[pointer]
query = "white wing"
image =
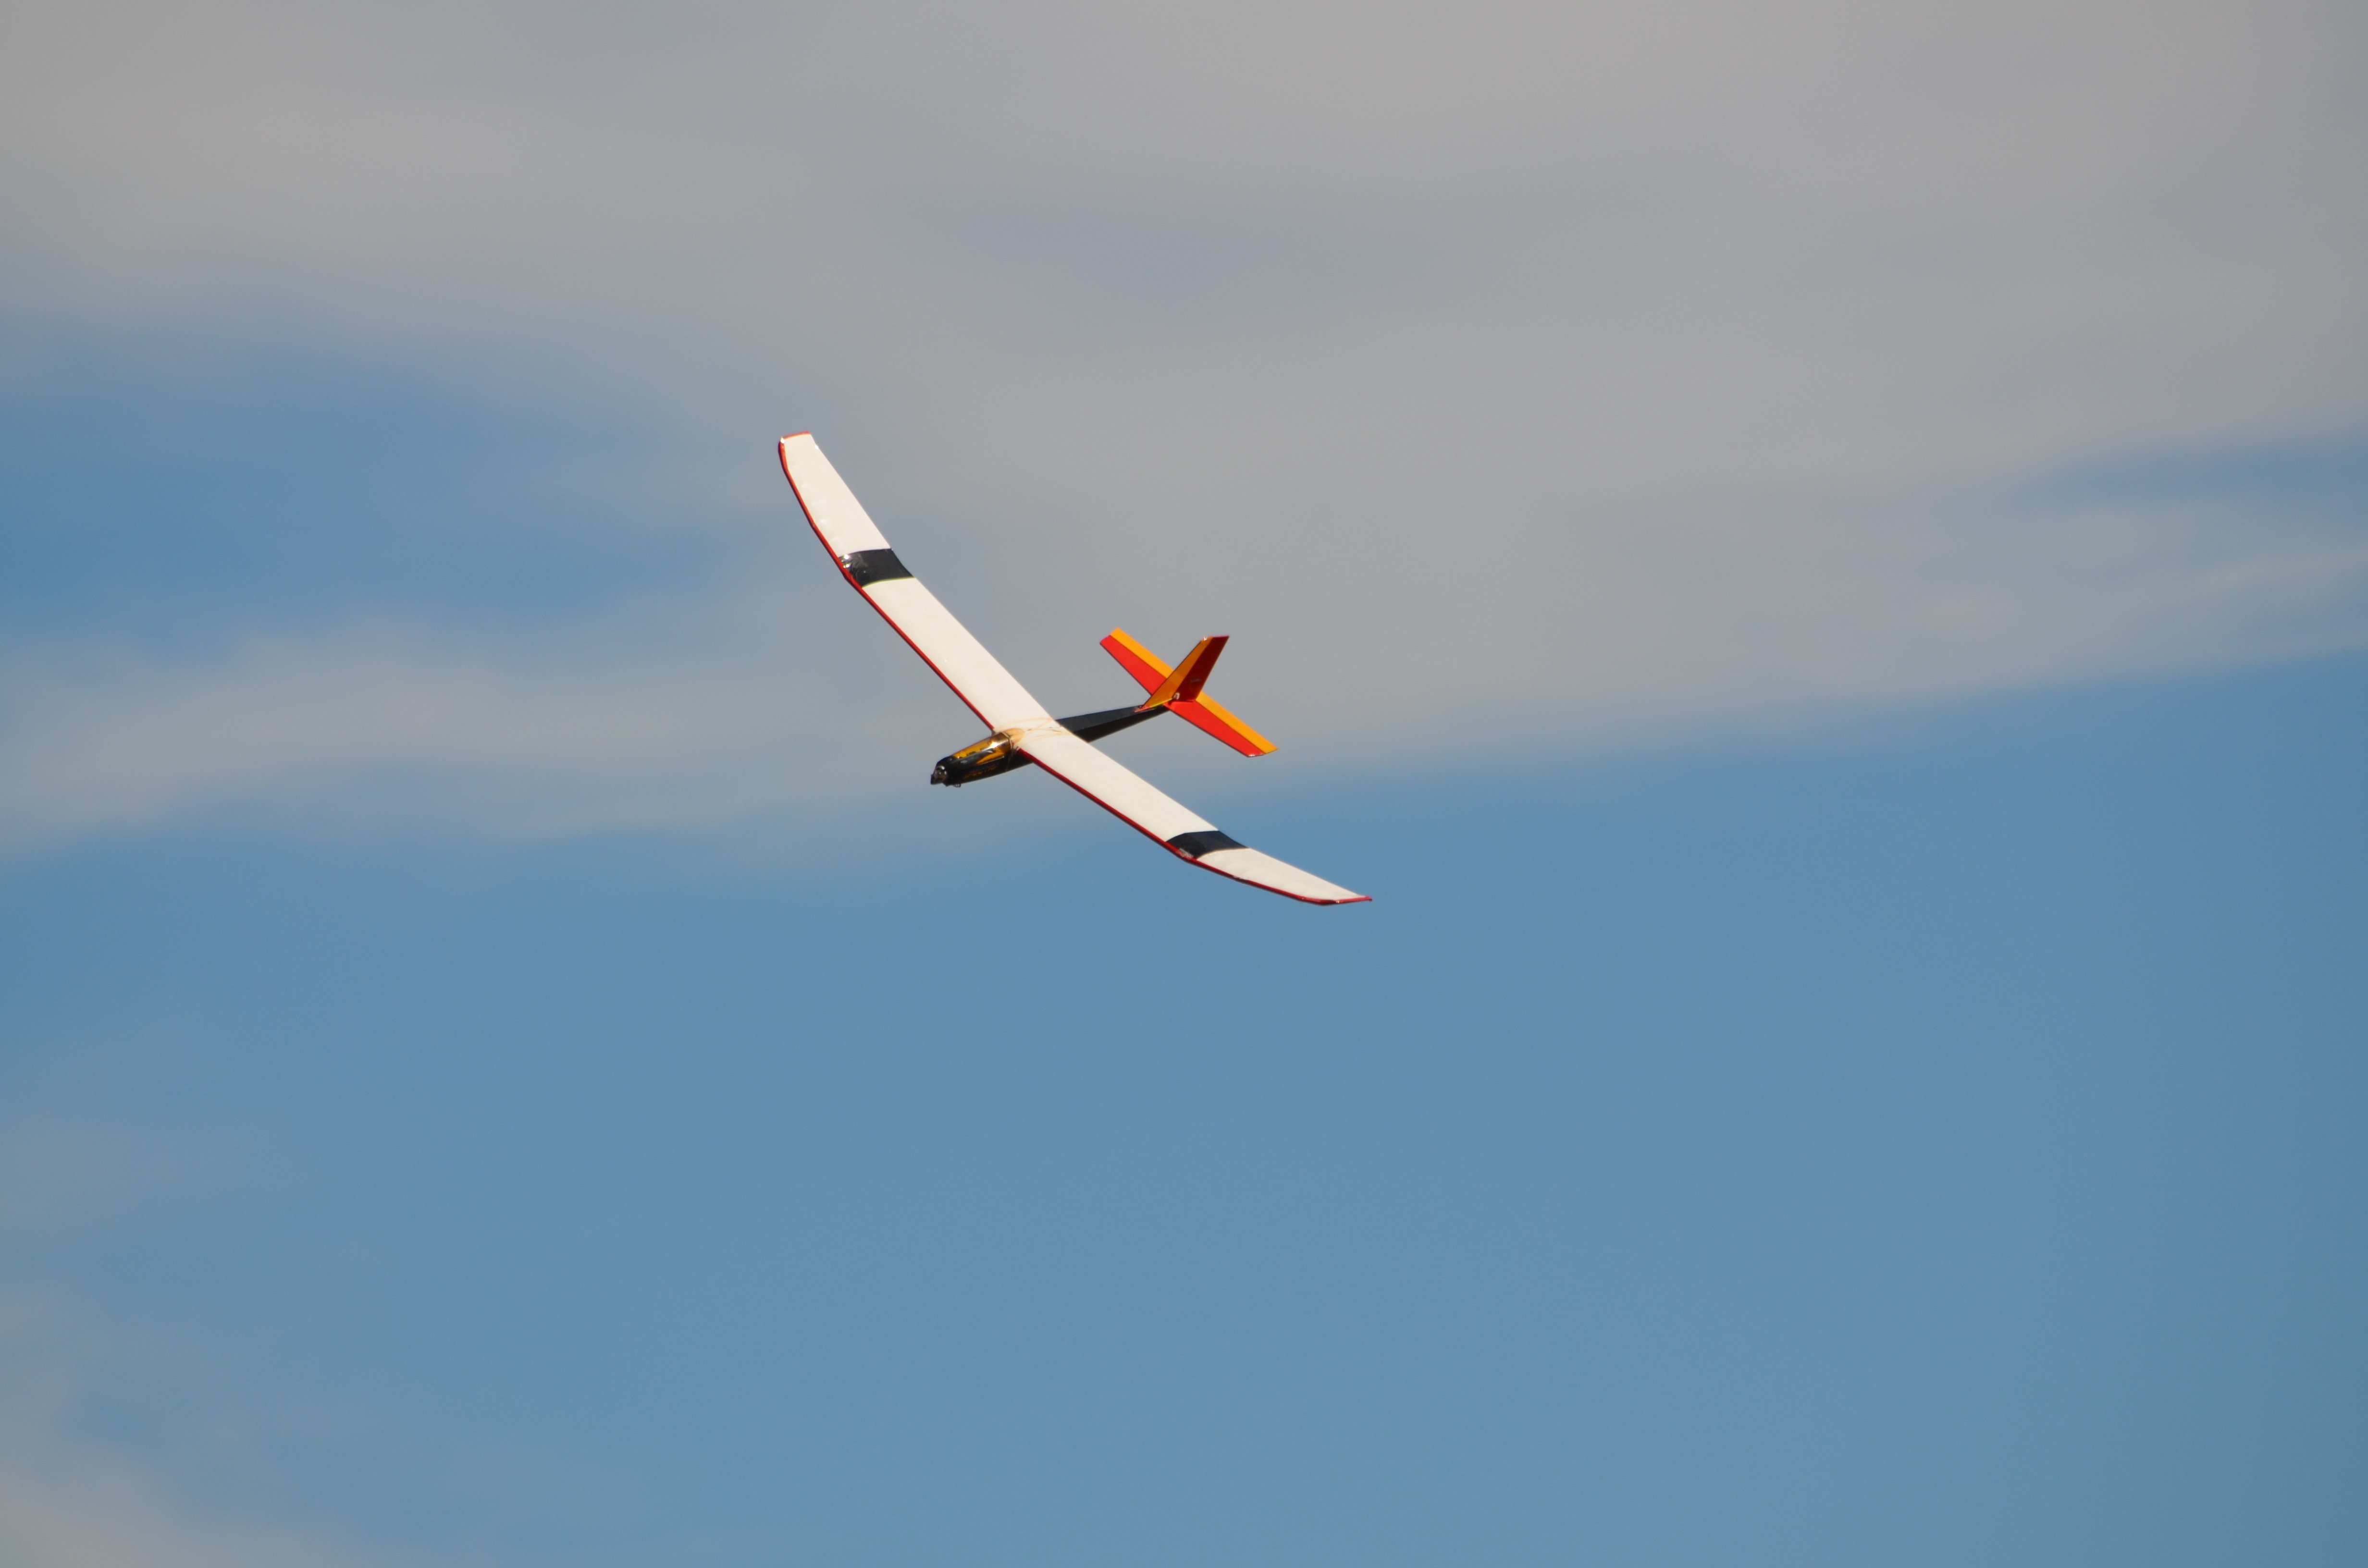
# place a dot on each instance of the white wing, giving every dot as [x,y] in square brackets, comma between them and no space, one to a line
[1102,780]
[960,660]
[1002,703]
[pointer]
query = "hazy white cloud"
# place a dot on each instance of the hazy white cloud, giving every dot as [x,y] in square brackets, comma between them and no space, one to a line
[1649,644]
[1626,368]
[554,741]
[77,1510]
[72,1495]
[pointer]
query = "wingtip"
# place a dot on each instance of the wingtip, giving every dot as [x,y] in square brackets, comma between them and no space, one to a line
[794,434]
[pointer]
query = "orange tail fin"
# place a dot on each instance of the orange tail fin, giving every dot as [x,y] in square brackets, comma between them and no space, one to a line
[1185,681]
[1183,690]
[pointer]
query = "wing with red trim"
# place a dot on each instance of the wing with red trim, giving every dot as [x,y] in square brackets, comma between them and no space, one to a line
[1126,795]
[960,660]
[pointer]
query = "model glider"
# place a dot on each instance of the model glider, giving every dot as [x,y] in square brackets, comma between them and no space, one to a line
[1023,731]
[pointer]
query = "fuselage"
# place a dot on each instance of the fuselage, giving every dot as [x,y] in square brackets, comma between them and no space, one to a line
[985,759]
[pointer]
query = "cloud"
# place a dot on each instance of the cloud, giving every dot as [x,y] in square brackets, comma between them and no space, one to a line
[94,1512]
[1507,375]
[525,744]
[71,1493]
[1831,617]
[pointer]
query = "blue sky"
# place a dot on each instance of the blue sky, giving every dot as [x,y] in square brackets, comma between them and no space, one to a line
[1818,577]
[1944,1148]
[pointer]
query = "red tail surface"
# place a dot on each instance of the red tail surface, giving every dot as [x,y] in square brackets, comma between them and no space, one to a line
[1180,688]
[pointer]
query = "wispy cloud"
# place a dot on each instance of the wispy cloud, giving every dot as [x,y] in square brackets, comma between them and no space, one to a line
[1579,647]
[1505,378]
[69,1509]
[71,1494]
[413,733]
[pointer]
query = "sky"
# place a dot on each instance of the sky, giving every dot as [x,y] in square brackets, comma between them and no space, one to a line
[1813,559]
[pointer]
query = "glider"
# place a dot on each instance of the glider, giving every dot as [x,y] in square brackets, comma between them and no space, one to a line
[1023,732]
